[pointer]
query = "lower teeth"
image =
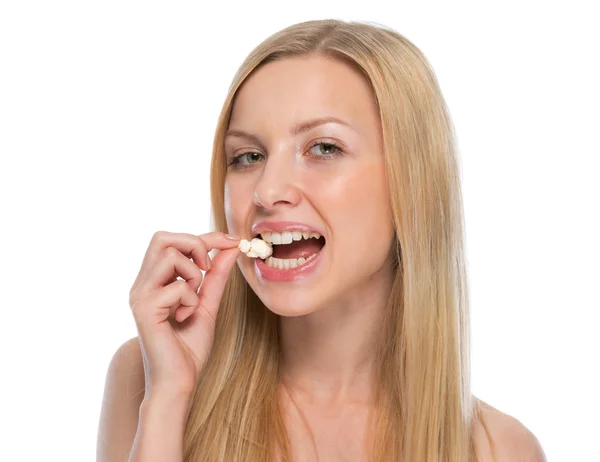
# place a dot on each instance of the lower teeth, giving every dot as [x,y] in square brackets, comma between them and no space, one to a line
[288,263]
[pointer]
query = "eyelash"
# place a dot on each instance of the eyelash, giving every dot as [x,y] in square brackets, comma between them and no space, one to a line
[326,157]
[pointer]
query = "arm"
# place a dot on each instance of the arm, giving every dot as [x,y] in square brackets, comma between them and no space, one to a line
[161,427]
[136,427]
[123,395]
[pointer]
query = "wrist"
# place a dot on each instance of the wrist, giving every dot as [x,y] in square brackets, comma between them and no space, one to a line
[166,403]
[161,428]
[167,393]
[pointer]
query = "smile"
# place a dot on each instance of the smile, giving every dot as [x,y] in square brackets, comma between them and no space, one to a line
[296,254]
[292,249]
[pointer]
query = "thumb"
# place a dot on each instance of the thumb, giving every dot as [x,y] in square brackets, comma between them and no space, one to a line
[211,290]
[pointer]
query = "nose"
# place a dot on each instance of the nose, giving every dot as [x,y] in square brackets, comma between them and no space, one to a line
[276,184]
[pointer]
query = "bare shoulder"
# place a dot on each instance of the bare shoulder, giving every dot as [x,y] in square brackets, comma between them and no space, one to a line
[127,367]
[123,394]
[500,437]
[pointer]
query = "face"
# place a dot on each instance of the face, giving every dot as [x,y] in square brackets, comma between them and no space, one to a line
[304,152]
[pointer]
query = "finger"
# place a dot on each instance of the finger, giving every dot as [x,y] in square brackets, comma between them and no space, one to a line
[184,312]
[157,307]
[212,288]
[219,241]
[190,245]
[172,265]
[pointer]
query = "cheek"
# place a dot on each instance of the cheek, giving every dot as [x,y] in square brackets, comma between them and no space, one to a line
[356,203]
[232,207]
[238,204]
[227,203]
[357,210]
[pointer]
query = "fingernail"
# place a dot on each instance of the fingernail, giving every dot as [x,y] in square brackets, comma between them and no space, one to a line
[208,262]
[232,237]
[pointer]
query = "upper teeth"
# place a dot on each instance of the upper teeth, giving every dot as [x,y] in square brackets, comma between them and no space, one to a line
[288,236]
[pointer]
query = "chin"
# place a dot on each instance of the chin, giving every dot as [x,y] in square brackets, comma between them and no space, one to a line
[288,307]
[290,313]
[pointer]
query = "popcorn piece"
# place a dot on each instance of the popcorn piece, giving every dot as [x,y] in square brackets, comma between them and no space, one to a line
[256,249]
[261,247]
[244,245]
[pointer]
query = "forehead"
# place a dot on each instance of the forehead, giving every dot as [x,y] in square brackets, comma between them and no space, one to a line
[294,89]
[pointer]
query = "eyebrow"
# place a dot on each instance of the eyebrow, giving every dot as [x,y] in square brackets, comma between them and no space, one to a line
[297,129]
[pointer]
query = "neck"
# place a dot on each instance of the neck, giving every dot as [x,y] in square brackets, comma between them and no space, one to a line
[328,356]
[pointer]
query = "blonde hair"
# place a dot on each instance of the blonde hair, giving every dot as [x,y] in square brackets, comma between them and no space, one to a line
[425,411]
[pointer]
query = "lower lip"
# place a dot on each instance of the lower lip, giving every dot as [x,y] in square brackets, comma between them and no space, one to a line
[287,275]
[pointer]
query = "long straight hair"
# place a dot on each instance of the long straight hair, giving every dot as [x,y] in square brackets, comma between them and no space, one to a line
[424,409]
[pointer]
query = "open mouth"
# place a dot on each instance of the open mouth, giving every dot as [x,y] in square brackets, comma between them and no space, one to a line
[292,248]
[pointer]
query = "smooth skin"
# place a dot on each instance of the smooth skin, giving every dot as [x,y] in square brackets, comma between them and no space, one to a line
[175,352]
[329,324]
[175,307]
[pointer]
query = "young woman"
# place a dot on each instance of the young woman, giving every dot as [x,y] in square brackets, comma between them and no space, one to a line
[350,342]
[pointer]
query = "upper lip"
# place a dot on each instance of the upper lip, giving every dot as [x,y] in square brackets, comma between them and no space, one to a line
[281,226]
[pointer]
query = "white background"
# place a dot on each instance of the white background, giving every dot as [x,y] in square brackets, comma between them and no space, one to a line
[107,112]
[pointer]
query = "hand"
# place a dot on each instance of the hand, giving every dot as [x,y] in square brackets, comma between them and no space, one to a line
[175,321]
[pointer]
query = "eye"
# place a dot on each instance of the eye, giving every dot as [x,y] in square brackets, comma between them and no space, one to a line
[326,149]
[250,157]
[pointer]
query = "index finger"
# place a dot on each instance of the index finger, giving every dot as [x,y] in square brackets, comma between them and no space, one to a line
[211,241]
[196,246]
